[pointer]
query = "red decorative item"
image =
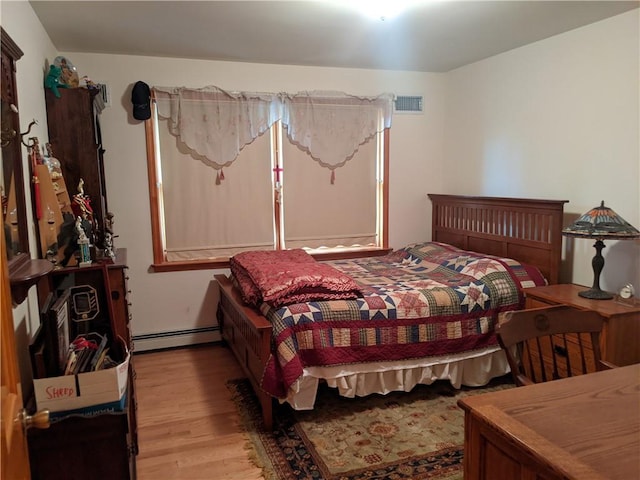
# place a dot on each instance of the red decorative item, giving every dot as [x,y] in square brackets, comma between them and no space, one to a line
[278,169]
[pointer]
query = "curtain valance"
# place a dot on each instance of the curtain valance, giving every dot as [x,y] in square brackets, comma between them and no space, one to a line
[331,126]
[216,124]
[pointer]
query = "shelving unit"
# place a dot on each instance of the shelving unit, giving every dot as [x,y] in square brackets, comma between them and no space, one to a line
[102,446]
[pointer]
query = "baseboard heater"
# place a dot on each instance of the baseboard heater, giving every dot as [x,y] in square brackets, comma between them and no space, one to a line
[176,338]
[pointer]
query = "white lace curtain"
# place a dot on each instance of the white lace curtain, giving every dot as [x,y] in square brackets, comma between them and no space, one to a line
[215,125]
[331,126]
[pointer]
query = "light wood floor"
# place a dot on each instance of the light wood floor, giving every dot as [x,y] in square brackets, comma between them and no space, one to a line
[188,426]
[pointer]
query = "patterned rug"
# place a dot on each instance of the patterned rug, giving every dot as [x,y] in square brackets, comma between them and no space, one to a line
[415,435]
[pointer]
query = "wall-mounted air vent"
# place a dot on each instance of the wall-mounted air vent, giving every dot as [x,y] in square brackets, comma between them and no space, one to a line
[408,104]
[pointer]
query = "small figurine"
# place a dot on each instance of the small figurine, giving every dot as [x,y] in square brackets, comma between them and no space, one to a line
[108,247]
[83,243]
[69,236]
[81,204]
[80,230]
[90,84]
[109,222]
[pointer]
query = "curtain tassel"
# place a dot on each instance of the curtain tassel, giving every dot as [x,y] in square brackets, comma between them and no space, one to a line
[218,178]
[221,174]
[333,177]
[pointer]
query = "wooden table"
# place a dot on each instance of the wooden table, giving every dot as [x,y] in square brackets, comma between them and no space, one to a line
[583,428]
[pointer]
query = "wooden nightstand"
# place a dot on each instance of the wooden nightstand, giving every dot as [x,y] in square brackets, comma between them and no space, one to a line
[620,337]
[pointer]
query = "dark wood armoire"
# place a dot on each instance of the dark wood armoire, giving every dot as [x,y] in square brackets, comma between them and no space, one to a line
[74,134]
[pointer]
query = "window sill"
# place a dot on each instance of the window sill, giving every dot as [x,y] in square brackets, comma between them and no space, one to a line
[217,264]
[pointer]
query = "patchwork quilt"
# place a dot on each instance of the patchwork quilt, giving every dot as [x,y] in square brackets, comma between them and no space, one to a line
[424,300]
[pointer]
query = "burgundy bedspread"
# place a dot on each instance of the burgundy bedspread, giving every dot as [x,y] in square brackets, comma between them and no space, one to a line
[424,300]
[289,276]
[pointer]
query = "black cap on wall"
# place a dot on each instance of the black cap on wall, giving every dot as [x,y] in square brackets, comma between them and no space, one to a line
[141,100]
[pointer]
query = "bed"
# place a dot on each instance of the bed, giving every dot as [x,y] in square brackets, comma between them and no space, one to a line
[524,233]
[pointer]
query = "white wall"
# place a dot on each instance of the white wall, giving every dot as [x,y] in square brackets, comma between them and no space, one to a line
[556,119]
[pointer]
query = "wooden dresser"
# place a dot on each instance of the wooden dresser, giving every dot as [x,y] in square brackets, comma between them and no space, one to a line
[102,447]
[578,428]
[620,337]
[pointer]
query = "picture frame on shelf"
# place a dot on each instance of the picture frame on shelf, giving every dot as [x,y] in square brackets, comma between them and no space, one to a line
[84,308]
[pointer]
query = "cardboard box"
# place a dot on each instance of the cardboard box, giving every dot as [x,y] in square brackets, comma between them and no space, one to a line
[73,392]
[111,408]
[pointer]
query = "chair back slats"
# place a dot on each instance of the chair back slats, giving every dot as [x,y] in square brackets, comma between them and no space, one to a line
[554,374]
[549,343]
[582,353]
[566,349]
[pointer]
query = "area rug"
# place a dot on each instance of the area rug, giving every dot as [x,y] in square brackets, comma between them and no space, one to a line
[416,435]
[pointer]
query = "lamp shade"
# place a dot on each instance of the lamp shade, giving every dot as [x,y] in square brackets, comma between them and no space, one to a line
[601,222]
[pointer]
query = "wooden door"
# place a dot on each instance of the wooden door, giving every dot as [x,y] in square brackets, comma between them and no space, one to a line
[14,454]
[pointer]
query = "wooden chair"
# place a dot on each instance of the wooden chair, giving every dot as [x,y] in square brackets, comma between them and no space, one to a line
[549,343]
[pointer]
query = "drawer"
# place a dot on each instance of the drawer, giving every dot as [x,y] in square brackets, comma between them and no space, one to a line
[536,303]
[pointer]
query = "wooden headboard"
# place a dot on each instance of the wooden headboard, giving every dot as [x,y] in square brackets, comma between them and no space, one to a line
[527,230]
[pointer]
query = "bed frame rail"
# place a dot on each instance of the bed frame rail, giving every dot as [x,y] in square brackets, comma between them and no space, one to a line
[249,336]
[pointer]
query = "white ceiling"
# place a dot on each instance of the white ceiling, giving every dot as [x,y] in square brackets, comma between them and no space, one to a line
[435,36]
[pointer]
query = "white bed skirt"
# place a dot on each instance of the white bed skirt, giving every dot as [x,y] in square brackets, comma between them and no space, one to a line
[473,369]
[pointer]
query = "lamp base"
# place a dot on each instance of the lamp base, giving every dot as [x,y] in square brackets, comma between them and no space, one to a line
[596,294]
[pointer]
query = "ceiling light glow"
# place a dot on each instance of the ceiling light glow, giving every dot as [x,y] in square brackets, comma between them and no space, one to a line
[380,9]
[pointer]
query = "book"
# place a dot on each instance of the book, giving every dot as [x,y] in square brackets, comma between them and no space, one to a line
[84,357]
[48,350]
[58,318]
[97,354]
[72,358]
[88,350]
[102,359]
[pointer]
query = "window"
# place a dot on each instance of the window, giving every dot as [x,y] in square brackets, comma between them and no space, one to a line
[233,172]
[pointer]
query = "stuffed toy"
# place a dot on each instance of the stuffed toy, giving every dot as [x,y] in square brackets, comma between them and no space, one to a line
[53,80]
